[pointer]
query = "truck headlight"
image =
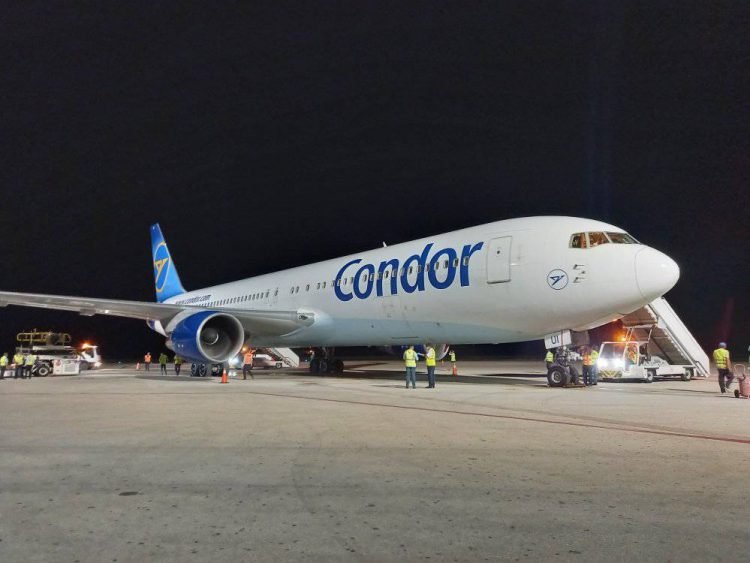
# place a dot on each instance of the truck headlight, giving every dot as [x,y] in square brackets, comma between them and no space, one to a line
[602,363]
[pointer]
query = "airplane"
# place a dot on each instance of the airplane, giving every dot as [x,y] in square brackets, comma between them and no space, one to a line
[507,281]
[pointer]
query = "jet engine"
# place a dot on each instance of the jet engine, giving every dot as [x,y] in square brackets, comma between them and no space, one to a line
[211,336]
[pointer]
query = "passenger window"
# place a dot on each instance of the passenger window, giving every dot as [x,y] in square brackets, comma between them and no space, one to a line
[324,285]
[466,260]
[318,286]
[276,293]
[595,239]
[307,288]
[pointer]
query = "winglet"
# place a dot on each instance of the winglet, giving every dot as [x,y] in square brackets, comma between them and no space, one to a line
[166,279]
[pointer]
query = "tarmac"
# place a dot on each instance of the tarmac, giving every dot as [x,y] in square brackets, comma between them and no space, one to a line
[117,465]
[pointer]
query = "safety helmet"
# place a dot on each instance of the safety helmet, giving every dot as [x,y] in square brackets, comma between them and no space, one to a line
[722,344]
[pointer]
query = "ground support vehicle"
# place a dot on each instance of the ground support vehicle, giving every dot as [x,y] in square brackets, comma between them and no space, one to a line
[54,355]
[631,359]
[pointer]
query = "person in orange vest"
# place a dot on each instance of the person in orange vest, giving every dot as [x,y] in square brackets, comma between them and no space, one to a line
[147,361]
[247,364]
[588,366]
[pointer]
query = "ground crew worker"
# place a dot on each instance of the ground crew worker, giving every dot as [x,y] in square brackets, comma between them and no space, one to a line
[247,364]
[429,357]
[3,365]
[594,365]
[410,361]
[177,364]
[18,361]
[163,363]
[549,359]
[452,356]
[587,365]
[147,361]
[723,364]
[28,365]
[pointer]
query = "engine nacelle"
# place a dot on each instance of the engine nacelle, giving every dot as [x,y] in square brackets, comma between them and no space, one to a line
[211,336]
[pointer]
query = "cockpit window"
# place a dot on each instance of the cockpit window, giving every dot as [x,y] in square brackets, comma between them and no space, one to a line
[579,240]
[621,238]
[590,240]
[595,239]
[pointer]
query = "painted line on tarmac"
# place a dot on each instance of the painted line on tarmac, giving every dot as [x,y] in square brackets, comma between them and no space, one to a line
[519,418]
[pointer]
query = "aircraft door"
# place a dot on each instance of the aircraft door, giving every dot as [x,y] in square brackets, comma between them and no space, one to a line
[498,260]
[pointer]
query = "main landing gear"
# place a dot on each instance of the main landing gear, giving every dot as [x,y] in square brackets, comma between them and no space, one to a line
[327,362]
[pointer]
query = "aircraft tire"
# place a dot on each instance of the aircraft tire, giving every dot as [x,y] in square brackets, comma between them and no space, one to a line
[557,377]
[338,366]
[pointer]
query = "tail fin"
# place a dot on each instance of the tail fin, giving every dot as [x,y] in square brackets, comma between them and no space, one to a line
[166,279]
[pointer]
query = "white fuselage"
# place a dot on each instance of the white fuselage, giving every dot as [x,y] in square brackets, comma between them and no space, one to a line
[506,281]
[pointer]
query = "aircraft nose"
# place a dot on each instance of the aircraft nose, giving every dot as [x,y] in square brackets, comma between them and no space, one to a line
[655,272]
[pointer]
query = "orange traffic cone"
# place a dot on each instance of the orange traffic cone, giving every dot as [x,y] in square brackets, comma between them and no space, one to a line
[455,369]
[224,378]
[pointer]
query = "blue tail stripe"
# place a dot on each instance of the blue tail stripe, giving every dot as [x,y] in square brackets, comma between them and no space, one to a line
[166,279]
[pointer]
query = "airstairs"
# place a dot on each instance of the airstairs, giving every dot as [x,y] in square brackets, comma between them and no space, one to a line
[667,334]
[286,355]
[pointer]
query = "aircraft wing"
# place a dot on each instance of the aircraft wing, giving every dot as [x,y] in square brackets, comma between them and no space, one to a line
[267,322]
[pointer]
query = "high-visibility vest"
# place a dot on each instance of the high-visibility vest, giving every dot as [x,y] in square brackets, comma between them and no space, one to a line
[453,356]
[410,359]
[177,360]
[594,355]
[248,358]
[4,360]
[147,358]
[721,357]
[18,359]
[550,357]
[30,359]
[588,360]
[163,359]
[430,357]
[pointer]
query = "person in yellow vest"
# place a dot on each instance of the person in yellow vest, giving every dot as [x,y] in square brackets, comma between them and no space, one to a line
[588,363]
[28,365]
[410,361]
[3,365]
[724,365]
[247,364]
[429,357]
[177,364]
[147,361]
[549,359]
[163,359]
[594,365]
[18,362]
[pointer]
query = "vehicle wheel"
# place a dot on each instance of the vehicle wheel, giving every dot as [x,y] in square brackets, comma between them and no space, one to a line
[687,375]
[557,377]
[43,370]
[650,376]
[324,366]
[315,365]
[83,366]
[216,370]
[278,365]
[338,366]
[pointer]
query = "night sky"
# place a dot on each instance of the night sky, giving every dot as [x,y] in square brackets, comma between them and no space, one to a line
[270,135]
